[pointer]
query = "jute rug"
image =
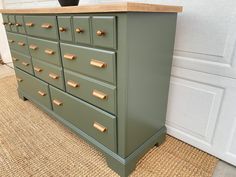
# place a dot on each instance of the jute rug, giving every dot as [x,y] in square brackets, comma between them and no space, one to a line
[33,144]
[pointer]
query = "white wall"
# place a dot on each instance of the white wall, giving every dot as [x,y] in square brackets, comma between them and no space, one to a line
[202,101]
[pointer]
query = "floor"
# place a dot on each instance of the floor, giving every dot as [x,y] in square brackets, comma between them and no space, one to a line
[223,169]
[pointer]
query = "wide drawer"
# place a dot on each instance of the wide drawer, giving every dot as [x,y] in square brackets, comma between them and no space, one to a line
[43,26]
[22,61]
[36,89]
[100,64]
[6,22]
[96,92]
[45,50]
[18,42]
[49,73]
[93,121]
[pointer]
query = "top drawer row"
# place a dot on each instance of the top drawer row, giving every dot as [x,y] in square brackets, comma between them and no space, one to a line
[95,30]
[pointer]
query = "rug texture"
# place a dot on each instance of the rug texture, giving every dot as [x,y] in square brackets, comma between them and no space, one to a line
[34,144]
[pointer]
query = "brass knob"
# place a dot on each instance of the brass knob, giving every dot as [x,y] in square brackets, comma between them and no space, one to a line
[98,64]
[70,56]
[57,102]
[61,29]
[33,47]
[11,41]
[29,24]
[4,23]
[10,23]
[100,33]
[99,94]
[79,30]
[99,127]
[21,43]
[46,26]
[17,24]
[19,79]
[14,59]
[41,93]
[72,84]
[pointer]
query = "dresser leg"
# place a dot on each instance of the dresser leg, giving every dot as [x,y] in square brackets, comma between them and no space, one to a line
[21,96]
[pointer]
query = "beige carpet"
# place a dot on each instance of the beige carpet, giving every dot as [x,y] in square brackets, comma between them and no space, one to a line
[33,144]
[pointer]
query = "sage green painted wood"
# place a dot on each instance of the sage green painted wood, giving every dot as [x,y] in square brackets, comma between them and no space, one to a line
[82,64]
[65,23]
[85,88]
[48,69]
[20,21]
[6,22]
[40,52]
[106,24]
[83,116]
[12,20]
[22,61]
[37,30]
[32,86]
[83,23]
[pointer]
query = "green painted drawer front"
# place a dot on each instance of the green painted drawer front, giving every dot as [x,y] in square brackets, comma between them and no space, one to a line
[22,61]
[86,117]
[49,73]
[6,22]
[82,29]
[33,87]
[85,60]
[20,24]
[18,42]
[64,23]
[12,22]
[91,90]
[104,31]
[45,50]
[42,26]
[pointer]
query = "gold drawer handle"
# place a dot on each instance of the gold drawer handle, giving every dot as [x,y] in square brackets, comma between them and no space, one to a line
[41,93]
[19,79]
[79,30]
[99,95]
[46,26]
[21,43]
[53,76]
[10,23]
[72,84]
[4,23]
[33,47]
[99,127]
[14,59]
[57,102]
[25,64]
[61,29]
[17,24]
[70,56]
[38,69]
[11,41]
[49,51]
[100,33]
[29,24]
[98,64]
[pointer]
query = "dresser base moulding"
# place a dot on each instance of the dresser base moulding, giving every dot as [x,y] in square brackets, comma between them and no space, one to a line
[122,166]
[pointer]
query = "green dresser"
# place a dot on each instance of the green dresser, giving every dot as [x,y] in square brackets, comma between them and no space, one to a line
[101,70]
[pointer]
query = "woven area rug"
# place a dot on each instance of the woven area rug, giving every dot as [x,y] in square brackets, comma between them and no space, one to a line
[33,144]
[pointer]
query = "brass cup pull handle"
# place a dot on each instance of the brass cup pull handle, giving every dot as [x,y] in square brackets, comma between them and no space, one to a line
[46,26]
[99,95]
[41,93]
[57,102]
[25,64]
[19,79]
[70,56]
[17,24]
[29,24]
[79,30]
[72,84]
[11,41]
[21,43]
[33,47]
[14,59]
[53,76]
[99,127]
[98,64]
[100,33]
[61,29]
[49,51]
[38,69]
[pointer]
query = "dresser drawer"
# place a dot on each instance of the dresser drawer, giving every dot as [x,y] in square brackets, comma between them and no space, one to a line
[96,92]
[104,31]
[22,61]
[45,50]
[12,22]
[97,63]
[33,87]
[20,24]
[93,121]
[18,42]
[49,73]
[65,31]
[42,26]
[6,22]
[82,29]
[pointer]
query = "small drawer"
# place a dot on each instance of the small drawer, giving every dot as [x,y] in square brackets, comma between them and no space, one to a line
[33,87]
[49,73]
[64,27]
[42,26]
[100,64]
[22,61]
[18,42]
[12,22]
[91,120]
[104,31]
[20,25]
[98,93]
[45,50]
[6,22]
[82,29]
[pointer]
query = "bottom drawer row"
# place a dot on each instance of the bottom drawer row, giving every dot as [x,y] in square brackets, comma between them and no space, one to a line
[96,123]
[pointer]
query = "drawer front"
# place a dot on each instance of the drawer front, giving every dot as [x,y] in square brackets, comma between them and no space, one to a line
[20,24]
[42,26]
[12,22]
[104,31]
[22,61]
[18,42]
[97,63]
[33,87]
[65,31]
[94,122]
[96,92]
[49,73]
[82,29]
[45,50]
[6,22]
